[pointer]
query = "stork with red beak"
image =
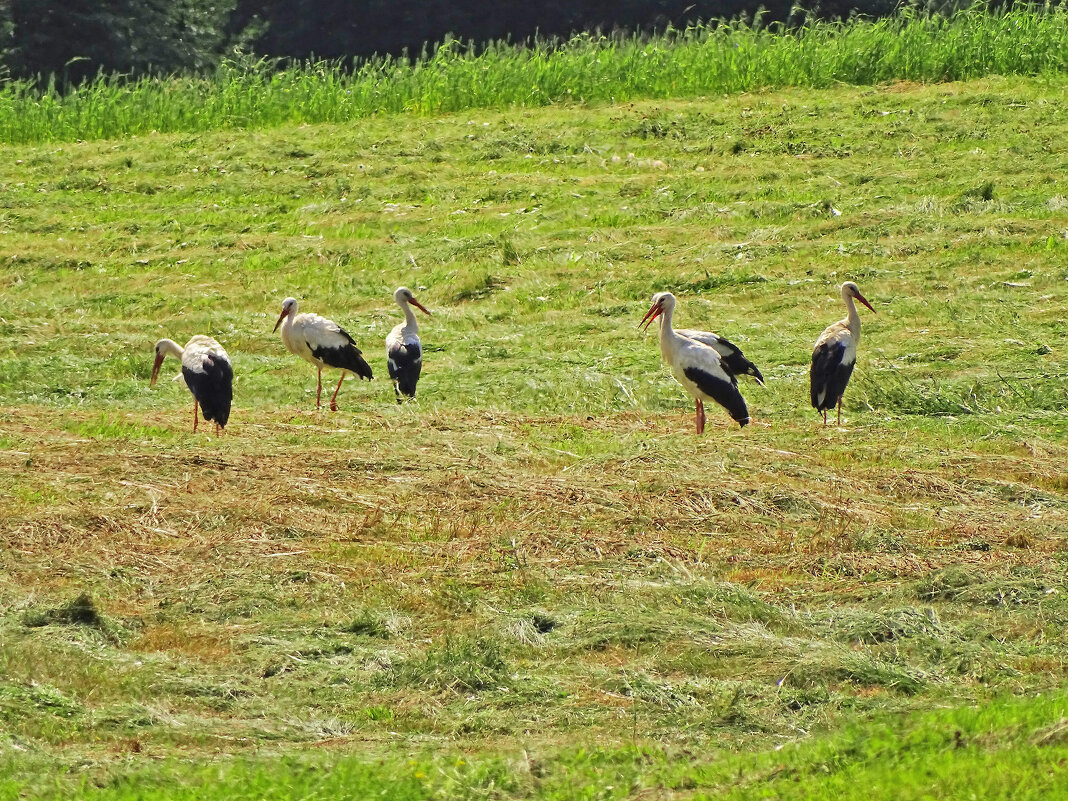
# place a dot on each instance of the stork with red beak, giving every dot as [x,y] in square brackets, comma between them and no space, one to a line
[207,372]
[323,343]
[698,367]
[835,356]
[404,352]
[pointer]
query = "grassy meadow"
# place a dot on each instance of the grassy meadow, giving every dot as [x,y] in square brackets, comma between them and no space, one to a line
[534,581]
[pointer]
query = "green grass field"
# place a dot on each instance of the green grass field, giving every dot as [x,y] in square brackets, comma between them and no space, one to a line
[535,581]
[728,56]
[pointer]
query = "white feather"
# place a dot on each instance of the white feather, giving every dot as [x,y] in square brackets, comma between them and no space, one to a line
[301,333]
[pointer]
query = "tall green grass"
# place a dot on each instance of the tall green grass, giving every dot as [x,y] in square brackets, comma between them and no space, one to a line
[728,57]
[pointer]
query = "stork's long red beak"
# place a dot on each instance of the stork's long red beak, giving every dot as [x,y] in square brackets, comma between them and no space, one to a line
[654,311]
[864,300]
[281,317]
[419,305]
[155,369]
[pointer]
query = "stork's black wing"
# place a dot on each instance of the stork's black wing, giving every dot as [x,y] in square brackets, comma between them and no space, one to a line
[829,375]
[731,354]
[405,363]
[213,388]
[346,357]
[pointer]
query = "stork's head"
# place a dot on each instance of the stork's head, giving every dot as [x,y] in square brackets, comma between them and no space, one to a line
[662,302]
[850,290]
[289,307]
[404,295]
[161,354]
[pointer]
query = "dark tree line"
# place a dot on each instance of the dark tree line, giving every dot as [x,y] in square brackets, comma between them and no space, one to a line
[339,28]
[77,39]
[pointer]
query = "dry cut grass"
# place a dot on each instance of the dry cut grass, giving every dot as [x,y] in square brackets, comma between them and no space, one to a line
[537,554]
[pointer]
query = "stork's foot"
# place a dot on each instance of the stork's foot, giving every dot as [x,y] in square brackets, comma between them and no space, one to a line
[333,398]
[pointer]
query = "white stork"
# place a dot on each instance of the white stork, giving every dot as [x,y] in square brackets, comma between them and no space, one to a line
[207,372]
[404,353]
[698,367]
[323,343]
[835,355]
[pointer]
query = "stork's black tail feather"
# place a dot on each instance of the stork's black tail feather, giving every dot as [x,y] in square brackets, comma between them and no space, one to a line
[347,358]
[739,365]
[359,365]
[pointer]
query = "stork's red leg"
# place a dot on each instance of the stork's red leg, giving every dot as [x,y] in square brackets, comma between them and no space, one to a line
[700,416]
[319,390]
[839,410]
[196,420]
[333,400]
[824,412]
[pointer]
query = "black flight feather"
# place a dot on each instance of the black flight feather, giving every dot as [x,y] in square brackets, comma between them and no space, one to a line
[347,357]
[725,393]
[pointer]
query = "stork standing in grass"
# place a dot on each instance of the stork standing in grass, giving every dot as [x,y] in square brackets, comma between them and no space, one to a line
[207,372]
[323,343]
[835,355]
[404,353]
[700,369]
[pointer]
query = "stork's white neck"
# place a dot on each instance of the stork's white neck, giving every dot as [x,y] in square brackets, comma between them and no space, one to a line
[410,323]
[287,322]
[668,338]
[286,332]
[852,319]
[665,319]
[168,347]
[290,320]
